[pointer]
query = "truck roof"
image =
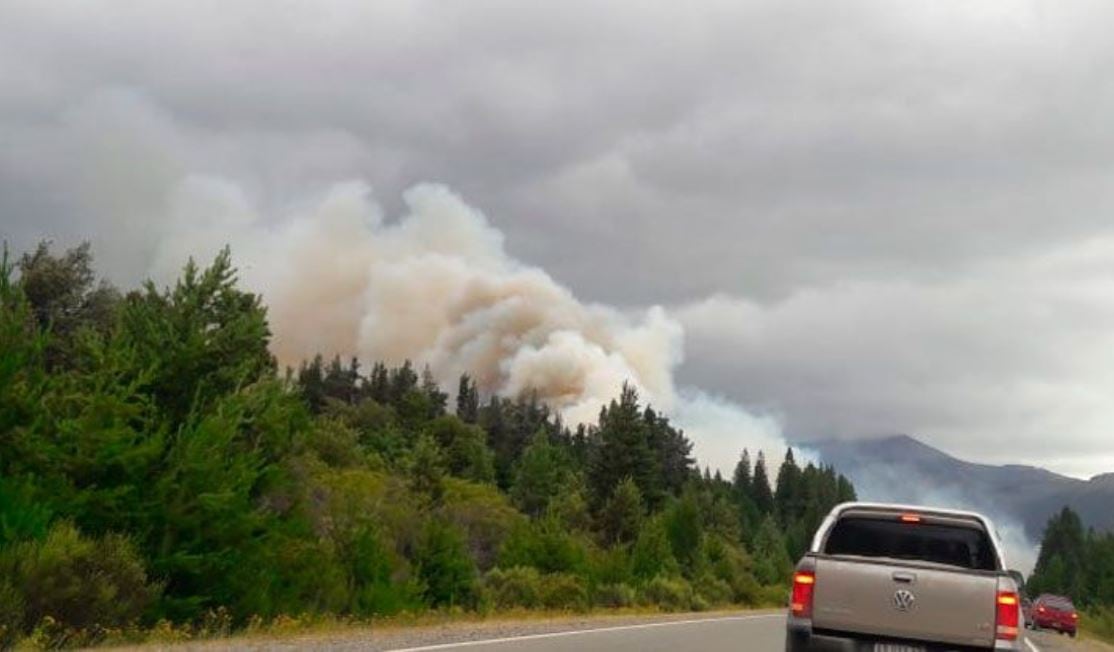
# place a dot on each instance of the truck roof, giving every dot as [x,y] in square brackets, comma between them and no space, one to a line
[982,520]
[921,509]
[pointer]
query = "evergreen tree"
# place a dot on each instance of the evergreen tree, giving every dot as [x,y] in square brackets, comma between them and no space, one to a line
[741,479]
[438,399]
[467,400]
[787,495]
[1062,562]
[402,381]
[379,384]
[761,494]
[624,450]
[673,452]
[621,516]
[65,298]
[539,474]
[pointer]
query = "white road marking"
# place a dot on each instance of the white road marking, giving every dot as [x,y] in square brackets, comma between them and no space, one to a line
[577,632]
[1032,647]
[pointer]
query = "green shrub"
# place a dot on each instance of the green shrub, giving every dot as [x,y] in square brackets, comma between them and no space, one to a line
[773,596]
[730,563]
[611,565]
[514,587]
[713,590]
[483,514]
[544,544]
[335,443]
[1099,622]
[652,554]
[614,595]
[444,567]
[11,612]
[73,581]
[669,593]
[564,591]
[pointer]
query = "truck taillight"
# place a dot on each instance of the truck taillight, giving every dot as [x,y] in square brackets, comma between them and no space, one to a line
[801,603]
[1008,615]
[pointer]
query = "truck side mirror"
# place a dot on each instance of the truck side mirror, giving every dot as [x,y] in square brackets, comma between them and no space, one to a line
[1017,578]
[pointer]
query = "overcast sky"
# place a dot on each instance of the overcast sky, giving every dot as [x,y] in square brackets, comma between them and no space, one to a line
[870,217]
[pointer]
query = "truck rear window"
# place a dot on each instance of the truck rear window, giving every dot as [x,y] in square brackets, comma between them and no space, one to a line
[964,547]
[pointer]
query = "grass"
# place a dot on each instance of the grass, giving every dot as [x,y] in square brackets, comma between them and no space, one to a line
[1098,623]
[217,627]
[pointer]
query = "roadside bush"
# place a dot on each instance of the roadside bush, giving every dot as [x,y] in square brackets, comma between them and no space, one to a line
[610,565]
[544,544]
[614,596]
[669,593]
[335,443]
[773,596]
[652,554]
[444,567]
[514,587]
[730,563]
[1100,622]
[564,591]
[483,514]
[73,581]
[11,613]
[713,590]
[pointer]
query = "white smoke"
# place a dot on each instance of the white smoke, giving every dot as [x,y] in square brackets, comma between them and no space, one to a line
[889,483]
[437,287]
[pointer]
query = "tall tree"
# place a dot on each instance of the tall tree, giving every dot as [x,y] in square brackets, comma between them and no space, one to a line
[673,452]
[467,400]
[742,478]
[199,340]
[65,297]
[760,487]
[788,495]
[438,399]
[624,450]
[621,516]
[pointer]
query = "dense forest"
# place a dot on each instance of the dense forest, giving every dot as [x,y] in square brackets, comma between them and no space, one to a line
[1075,562]
[1078,562]
[158,468]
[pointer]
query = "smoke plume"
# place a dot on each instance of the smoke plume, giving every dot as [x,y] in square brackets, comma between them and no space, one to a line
[436,286]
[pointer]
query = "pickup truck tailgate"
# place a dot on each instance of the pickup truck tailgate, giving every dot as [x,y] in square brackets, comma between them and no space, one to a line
[905,601]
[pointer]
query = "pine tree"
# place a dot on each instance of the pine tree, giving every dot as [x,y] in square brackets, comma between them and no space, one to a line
[624,450]
[742,478]
[539,474]
[621,516]
[438,399]
[379,384]
[788,495]
[467,400]
[673,452]
[403,380]
[761,494]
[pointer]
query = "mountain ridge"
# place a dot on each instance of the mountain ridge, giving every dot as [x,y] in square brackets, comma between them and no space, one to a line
[902,468]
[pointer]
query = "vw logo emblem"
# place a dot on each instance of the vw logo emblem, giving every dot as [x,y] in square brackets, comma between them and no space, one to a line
[903,600]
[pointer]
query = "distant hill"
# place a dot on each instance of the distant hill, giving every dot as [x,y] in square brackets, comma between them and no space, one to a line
[903,469]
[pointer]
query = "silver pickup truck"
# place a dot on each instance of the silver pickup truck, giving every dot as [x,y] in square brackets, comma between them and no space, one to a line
[898,578]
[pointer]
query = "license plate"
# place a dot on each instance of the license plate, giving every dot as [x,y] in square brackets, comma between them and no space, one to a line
[897,647]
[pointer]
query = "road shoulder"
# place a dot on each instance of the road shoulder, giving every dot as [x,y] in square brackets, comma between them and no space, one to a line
[387,637]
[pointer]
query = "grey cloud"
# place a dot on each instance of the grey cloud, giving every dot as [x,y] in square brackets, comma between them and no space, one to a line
[870,185]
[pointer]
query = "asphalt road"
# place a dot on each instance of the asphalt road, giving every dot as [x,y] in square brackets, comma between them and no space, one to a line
[758,632]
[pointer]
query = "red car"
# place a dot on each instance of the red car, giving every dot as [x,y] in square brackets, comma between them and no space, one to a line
[1055,612]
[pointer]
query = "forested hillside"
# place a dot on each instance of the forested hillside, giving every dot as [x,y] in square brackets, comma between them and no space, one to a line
[1078,563]
[157,465]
